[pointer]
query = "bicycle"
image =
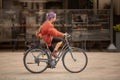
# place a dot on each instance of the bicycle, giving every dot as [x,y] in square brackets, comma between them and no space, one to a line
[38,59]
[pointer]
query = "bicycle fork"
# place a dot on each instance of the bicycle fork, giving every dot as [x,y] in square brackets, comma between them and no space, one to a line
[70,50]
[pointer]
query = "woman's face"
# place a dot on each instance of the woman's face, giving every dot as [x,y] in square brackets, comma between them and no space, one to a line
[54,19]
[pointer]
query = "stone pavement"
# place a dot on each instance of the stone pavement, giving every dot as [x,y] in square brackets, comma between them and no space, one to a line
[101,66]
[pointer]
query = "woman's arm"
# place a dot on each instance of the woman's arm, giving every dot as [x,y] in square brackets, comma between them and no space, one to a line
[55,32]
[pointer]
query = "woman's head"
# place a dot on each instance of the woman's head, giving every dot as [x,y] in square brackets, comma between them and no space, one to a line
[51,15]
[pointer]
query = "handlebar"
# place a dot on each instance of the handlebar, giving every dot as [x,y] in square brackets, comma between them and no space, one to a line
[67,35]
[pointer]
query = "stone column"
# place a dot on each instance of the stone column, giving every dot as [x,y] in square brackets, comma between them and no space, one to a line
[95,6]
[117,7]
[0,7]
[65,4]
[102,3]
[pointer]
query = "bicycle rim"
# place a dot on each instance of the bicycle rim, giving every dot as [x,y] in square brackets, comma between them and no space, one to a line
[76,64]
[33,60]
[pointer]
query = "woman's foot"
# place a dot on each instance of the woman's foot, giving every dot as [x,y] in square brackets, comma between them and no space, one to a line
[54,54]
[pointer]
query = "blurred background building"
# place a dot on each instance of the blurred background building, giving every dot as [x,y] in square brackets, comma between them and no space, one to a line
[88,21]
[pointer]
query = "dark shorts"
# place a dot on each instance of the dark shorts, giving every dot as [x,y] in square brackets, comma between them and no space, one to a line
[54,41]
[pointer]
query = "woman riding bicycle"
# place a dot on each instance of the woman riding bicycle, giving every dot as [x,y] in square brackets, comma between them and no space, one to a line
[50,35]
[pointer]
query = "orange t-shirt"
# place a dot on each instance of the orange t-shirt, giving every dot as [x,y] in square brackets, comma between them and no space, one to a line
[48,31]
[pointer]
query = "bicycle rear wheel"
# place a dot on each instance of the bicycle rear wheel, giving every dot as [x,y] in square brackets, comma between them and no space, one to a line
[75,60]
[35,60]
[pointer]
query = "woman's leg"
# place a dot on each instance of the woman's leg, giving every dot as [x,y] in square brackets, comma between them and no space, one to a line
[51,48]
[58,42]
[58,45]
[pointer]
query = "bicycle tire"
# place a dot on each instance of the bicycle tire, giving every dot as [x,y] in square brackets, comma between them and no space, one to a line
[75,67]
[29,52]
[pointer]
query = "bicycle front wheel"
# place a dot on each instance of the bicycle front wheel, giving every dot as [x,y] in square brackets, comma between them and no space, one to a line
[75,60]
[35,60]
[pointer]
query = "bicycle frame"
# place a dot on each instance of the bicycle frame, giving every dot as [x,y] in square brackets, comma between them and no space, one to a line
[66,47]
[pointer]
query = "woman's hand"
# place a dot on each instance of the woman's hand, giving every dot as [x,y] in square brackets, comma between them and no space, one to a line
[39,35]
